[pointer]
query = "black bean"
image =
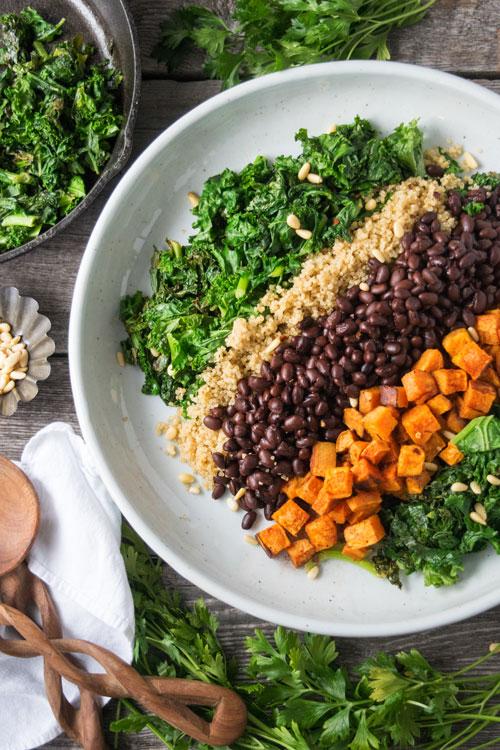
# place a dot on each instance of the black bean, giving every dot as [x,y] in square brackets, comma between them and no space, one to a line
[434,170]
[248,520]
[213,423]
[217,491]
[257,384]
[219,460]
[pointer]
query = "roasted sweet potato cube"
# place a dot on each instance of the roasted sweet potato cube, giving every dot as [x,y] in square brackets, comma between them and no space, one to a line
[465,412]
[393,446]
[309,487]
[451,455]
[339,482]
[453,422]
[369,398]
[472,359]
[420,423]
[356,450]
[393,395]
[390,480]
[439,404]
[325,502]
[291,488]
[456,340]
[291,516]
[354,554]
[419,386]
[322,532]
[400,434]
[488,326]
[411,461]
[363,504]
[344,441]
[479,396]
[354,420]
[431,360]
[376,451]
[366,475]
[300,552]
[340,512]
[365,533]
[323,458]
[273,540]
[380,422]
[433,446]
[450,381]
[491,376]
[415,485]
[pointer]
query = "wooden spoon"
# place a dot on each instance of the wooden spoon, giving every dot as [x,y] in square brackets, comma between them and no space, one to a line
[166,697]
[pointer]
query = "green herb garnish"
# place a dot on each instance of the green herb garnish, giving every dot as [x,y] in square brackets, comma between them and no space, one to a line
[264,36]
[299,696]
[243,245]
[59,117]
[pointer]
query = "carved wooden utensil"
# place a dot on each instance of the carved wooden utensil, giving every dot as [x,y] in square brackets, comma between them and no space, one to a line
[19,588]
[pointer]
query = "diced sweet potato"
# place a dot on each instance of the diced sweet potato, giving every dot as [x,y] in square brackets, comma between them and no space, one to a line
[309,487]
[390,480]
[393,445]
[339,482]
[456,340]
[465,412]
[415,485]
[323,458]
[300,552]
[488,327]
[354,554]
[340,512]
[291,488]
[363,504]
[419,386]
[325,502]
[354,420]
[450,381]
[356,450]
[451,455]
[365,533]
[439,404]
[491,376]
[411,461]
[376,451]
[369,398]
[400,434]
[291,516]
[322,532]
[393,395]
[380,422]
[453,422]
[344,441]
[420,423]
[472,359]
[273,540]
[433,446]
[479,396]
[431,360]
[366,475]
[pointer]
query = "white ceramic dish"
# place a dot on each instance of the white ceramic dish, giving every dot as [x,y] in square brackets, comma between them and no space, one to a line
[201,538]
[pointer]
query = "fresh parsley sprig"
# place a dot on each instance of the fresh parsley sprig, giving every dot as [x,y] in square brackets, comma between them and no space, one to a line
[264,36]
[298,695]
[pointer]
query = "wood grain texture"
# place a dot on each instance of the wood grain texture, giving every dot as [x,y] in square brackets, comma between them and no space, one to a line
[456,35]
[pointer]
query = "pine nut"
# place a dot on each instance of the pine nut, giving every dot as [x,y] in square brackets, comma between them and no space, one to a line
[313,572]
[4,379]
[171,450]
[364,287]
[9,387]
[304,234]
[195,489]
[4,327]
[475,487]
[332,128]
[371,204]
[17,375]
[398,230]
[5,337]
[293,221]
[250,539]
[492,479]
[304,171]
[273,345]
[473,333]
[481,510]
[24,358]
[171,432]
[431,466]
[378,256]
[193,198]
[19,347]
[11,361]
[459,487]
[314,179]
[477,518]
[354,403]
[449,435]
[240,493]
[232,504]
[120,358]
[186,478]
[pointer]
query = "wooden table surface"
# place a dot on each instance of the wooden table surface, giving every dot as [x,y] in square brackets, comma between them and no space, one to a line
[460,36]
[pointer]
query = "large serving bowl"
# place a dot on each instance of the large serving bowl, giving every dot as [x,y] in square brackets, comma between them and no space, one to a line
[199,537]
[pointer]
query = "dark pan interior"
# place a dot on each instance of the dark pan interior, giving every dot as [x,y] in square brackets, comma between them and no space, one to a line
[106,24]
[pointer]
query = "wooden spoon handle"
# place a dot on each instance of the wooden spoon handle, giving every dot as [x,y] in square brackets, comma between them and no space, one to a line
[167,698]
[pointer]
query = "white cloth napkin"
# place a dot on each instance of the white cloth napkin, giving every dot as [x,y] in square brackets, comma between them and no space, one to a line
[77,554]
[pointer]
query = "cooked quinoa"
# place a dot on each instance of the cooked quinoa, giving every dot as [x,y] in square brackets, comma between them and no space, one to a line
[313,293]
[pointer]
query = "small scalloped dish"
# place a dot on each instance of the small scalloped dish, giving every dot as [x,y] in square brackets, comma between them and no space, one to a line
[22,315]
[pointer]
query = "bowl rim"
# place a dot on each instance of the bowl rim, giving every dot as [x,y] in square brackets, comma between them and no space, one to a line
[116,161]
[266,612]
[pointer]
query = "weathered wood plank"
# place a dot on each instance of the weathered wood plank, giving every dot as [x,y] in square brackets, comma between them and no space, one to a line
[457,35]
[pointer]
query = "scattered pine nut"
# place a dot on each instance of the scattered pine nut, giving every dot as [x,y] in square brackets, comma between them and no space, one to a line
[449,435]
[378,256]
[293,221]
[171,450]
[273,345]
[120,358]
[17,375]
[354,403]
[250,539]
[332,128]
[232,504]
[171,432]
[492,479]
[304,171]
[304,234]
[473,333]
[314,179]
[155,352]
[431,466]
[240,493]
[477,518]
[193,198]
[195,489]
[313,572]
[371,204]
[475,487]
[459,487]
[398,230]
[364,287]
[481,510]
[160,428]
[186,478]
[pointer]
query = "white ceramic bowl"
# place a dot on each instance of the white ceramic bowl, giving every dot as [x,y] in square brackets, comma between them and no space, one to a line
[201,538]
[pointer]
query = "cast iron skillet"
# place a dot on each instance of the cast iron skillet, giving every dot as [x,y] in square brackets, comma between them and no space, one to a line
[108,25]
